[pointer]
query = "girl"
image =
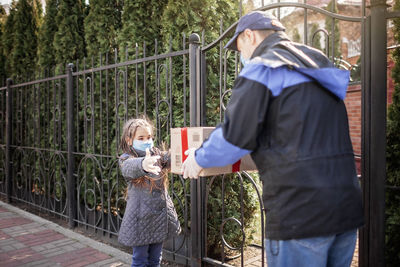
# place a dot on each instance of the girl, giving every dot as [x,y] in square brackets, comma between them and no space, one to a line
[150,216]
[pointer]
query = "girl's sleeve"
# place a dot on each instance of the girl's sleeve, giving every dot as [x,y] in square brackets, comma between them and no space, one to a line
[131,168]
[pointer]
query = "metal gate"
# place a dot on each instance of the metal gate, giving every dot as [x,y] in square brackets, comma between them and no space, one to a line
[372,21]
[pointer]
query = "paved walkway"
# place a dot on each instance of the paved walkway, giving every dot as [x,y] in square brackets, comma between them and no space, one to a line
[28,240]
[257,260]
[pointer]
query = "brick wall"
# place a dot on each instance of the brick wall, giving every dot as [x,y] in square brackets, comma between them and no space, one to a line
[390,83]
[353,105]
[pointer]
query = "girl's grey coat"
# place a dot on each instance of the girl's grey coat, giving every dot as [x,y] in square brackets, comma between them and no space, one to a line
[150,217]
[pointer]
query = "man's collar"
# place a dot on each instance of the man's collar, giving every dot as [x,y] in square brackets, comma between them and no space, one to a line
[269,41]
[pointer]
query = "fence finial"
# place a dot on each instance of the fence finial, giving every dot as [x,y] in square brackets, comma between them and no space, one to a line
[194,38]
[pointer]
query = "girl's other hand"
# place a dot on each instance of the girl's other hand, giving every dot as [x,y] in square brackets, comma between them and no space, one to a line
[149,161]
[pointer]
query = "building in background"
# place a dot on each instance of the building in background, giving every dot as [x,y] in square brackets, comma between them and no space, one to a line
[350,51]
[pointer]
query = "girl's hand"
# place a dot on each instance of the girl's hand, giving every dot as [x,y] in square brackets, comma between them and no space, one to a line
[148,163]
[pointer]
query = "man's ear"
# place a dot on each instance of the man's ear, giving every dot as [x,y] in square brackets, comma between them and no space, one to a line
[251,35]
[247,33]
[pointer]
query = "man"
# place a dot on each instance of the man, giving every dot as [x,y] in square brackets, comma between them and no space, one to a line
[287,110]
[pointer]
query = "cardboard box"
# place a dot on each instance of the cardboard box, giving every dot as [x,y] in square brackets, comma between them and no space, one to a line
[184,138]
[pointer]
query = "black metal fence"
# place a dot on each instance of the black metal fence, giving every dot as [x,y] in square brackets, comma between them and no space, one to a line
[59,136]
[60,140]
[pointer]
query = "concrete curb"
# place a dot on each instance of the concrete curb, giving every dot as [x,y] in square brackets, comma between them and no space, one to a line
[116,253]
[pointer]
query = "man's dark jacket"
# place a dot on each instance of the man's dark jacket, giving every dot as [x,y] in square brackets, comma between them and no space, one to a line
[288,105]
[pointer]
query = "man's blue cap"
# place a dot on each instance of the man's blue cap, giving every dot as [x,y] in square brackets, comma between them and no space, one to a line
[256,20]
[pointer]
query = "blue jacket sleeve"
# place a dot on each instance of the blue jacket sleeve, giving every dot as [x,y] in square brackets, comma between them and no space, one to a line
[217,152]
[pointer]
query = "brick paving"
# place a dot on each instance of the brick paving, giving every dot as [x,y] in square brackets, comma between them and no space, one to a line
[26,240]
[257,260]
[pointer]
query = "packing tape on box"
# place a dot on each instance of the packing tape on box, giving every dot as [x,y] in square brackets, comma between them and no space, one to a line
[185,146]
[236,166]
[184,142]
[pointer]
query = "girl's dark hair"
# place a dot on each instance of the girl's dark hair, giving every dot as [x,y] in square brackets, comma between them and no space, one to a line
[128,133]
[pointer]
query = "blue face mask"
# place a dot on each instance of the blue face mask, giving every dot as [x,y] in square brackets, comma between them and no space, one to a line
[244,60]
[142,145]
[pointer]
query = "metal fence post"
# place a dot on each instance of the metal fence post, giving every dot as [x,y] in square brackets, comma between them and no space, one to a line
[365,137]
[8,140]
[194,83]
[374,150]
[202,182]
[70,148]
[194,44]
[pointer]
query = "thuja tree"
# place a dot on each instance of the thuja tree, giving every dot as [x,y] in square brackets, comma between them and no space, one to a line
[69,43]
[8,38]
[182,18]
[68,46]
[141,22]
[332,7]
[393,161]
[316,42]
[38,12]
[23,56]
[50,98]
[3,15]
[101,27]
[48,29]
[296,36]
[249,6]
[3,75]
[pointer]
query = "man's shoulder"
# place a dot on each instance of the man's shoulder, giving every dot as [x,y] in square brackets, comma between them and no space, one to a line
[292,55]
[273,79]
[260,71]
